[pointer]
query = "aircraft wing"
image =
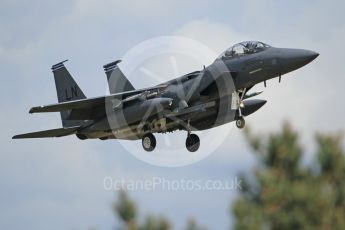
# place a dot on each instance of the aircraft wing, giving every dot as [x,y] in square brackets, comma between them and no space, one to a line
[48,133]
[90,103]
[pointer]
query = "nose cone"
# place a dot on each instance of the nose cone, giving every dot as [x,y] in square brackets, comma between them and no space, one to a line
[292,59]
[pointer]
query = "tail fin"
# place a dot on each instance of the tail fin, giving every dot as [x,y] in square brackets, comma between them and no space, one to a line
[67,90]
[117,81]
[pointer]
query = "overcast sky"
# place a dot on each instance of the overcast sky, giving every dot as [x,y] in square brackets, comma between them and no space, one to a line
[58,183]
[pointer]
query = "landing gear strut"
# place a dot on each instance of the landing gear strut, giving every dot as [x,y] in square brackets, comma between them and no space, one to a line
[192,142]
[240,122]
[149,142]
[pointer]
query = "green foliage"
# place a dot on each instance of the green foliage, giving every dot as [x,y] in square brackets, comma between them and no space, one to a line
[154,223]
[127,211]
[192,225]
[282,194]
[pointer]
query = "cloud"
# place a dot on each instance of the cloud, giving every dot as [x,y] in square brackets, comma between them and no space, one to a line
[132,8]
[57,182]
[217,36]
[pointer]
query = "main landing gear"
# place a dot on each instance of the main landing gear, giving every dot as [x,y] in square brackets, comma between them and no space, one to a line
[192,142]
[149,142]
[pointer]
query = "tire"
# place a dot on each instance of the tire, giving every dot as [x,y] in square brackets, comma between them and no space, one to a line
[240,123]
[192,143]
[149,142]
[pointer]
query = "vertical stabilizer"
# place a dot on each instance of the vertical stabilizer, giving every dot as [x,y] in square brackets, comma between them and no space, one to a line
[117,81]
[67,90]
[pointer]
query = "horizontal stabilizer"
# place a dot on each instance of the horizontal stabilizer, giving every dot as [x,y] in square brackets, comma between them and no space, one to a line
[48,133]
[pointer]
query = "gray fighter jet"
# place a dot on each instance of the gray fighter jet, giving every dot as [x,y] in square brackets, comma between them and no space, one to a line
[213,96]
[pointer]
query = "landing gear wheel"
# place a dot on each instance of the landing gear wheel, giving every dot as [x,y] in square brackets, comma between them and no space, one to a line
[192,142]
[240,123]
[149,142]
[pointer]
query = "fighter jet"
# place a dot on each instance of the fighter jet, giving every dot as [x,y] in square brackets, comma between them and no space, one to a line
[204,99]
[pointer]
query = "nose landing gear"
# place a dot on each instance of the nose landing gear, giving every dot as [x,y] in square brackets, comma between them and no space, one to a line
[240,123]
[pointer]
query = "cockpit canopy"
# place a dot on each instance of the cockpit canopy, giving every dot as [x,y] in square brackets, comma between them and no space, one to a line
[244,48]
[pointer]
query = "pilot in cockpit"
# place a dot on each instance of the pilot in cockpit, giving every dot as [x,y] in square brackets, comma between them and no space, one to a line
[244,48]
